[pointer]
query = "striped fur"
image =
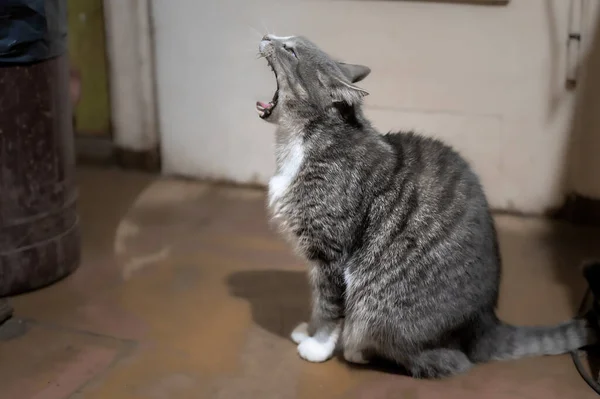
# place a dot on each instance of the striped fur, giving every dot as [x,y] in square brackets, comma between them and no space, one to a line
[396,230]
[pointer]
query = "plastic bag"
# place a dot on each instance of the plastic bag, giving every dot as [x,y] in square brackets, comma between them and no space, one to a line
[32,30]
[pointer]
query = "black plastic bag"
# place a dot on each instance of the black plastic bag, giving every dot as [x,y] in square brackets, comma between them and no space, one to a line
[32,30]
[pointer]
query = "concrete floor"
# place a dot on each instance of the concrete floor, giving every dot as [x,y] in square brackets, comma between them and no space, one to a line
[185,292]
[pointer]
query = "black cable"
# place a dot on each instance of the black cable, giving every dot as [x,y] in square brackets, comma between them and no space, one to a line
[581,369]
[6,310]
[575,354]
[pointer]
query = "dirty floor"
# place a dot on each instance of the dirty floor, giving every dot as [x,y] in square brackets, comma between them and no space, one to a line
[184,292]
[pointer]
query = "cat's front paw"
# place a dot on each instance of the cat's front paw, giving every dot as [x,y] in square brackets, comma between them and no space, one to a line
[300,333]
[314,351]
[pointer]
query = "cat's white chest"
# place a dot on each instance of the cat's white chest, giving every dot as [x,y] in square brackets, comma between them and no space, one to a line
[289,160]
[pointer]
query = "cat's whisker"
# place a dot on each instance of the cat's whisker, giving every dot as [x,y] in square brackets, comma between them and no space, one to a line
[265,27]
[254,30]
[251,47]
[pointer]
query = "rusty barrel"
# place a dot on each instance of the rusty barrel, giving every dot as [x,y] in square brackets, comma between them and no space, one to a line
[39,225]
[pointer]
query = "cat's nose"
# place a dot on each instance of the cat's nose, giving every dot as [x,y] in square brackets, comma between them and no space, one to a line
[264,43]
[267,38]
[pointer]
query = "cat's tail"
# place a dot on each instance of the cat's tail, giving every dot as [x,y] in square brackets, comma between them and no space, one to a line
[507,342]
[497,340]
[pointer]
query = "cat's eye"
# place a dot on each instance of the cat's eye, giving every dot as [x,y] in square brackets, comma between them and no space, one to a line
[290,50]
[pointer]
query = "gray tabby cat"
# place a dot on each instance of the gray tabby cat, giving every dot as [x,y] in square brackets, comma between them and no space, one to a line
[403,255]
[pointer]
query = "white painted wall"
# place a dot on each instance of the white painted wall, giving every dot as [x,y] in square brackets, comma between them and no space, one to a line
[487,79]
[130,57]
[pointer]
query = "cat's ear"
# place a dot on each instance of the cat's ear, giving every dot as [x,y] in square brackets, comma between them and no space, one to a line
[347,92]
[354,73]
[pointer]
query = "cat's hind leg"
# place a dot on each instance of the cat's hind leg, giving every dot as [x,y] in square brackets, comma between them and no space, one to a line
[438,363]
[354,342]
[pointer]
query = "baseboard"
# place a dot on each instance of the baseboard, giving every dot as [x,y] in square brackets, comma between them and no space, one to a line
[580,209]
[148,160]
[101,151]
[469,2]
[94,150]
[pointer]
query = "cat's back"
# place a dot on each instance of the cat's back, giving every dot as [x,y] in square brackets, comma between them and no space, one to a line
[439,198]
[423,151]
[437,228]
[439,172]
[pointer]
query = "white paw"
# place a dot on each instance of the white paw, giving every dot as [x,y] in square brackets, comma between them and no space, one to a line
[355,357]
[314,351]
[300,333]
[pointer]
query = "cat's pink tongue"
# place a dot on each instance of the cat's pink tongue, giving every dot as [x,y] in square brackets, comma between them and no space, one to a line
[264,105]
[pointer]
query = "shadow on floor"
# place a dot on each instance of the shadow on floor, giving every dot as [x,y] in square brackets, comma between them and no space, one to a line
[531,255]
[279,299]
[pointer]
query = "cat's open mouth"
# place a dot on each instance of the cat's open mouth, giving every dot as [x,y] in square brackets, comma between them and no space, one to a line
[265,109]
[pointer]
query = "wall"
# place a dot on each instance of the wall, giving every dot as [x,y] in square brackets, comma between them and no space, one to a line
[487,79]
[132,95]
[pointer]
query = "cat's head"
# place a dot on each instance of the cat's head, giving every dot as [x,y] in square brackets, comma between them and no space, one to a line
[309,82]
